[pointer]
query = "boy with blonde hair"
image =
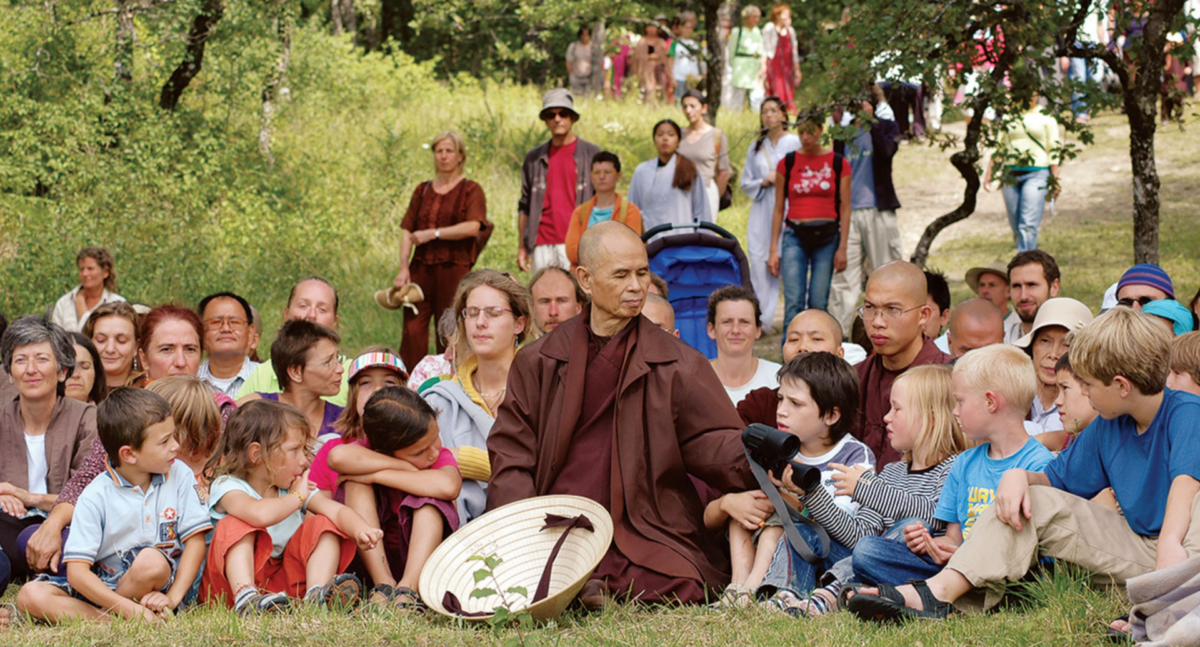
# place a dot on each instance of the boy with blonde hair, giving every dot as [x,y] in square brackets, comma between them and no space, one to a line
[1145,445]
[993,388]
[1185,363]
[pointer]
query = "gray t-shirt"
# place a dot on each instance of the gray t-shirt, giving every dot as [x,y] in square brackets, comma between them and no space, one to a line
[862,178]
[703,153]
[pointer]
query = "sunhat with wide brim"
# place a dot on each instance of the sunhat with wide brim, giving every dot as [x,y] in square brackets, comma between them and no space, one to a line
[1059,311]
[997,267]
[408,296]
[524,535]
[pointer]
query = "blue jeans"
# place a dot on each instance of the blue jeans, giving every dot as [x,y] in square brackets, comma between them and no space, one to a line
[5,572]
[790,571]
[882,560]
[803,289]
[1081,70]
[1025,199]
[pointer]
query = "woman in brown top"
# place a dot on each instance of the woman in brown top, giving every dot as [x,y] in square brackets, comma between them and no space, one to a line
[444,216]
[44,435]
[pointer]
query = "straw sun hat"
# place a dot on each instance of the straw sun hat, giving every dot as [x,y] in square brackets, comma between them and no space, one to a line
[519,535]
[408,297]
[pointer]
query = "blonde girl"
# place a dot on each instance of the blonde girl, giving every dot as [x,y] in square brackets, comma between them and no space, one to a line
[263,549]
[197,417]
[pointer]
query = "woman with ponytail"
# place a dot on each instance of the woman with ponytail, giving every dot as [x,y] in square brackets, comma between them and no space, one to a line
[666,189]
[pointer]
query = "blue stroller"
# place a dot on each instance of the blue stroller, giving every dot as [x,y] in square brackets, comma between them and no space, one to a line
[695,263]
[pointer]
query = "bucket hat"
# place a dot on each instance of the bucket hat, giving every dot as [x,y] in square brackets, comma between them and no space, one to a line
[1059,311]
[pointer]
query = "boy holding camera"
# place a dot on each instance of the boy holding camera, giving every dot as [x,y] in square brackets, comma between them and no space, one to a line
[1145,445]
[818,404]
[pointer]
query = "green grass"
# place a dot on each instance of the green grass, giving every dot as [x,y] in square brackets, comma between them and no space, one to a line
[1060,611]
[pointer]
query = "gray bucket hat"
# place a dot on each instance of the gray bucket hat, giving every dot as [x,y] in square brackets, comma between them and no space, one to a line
[559,98]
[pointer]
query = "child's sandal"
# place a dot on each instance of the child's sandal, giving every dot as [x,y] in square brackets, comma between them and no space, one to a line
[414,602]
[15,617]
[341,593]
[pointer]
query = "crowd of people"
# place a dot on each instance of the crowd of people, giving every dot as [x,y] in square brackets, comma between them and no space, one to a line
[934,436]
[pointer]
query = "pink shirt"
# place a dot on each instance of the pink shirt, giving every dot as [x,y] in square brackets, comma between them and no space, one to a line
[326,479]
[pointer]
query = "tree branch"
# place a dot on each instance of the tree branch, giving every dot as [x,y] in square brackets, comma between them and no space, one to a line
[189,67]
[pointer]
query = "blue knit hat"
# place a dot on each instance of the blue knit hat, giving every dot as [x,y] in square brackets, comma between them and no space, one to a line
[1147,274]
[1173,311]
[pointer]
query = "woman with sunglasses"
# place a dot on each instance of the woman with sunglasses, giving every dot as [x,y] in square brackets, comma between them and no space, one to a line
[494,318]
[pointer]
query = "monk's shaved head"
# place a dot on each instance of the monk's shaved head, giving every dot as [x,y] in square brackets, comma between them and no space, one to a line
[615,273]
[975,323]
[903,280]
[895,310]
[660,311]
[609,236]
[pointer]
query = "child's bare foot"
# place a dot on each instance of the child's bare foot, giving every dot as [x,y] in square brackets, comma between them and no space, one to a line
[9,616]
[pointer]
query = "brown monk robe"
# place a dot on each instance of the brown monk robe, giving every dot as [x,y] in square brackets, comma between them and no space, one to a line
[611,407]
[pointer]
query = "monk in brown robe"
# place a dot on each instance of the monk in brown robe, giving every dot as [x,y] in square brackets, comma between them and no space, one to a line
[611,407]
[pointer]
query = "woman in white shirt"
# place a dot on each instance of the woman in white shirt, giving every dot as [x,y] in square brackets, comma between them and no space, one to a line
[733,317]
[758,183]
[97,286]
[668,189]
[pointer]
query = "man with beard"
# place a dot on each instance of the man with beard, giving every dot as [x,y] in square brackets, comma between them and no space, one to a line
[556,297]
[1033,277]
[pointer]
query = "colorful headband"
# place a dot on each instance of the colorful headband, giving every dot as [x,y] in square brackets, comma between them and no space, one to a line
[371,360]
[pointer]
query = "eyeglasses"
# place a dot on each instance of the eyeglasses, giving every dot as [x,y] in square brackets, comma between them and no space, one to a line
[217,323]
[1129,301]
[547,115]
[490,312]
[327,364]
[889,313]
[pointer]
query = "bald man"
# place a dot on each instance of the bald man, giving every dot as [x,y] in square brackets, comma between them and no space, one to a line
[661,313]
[894,311]
[613,408]
[975,323]
[811,331]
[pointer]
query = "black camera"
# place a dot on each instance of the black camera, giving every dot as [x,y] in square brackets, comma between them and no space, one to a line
[774,449]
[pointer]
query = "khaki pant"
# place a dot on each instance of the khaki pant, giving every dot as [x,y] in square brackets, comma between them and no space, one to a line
[875,238]
[1065,527]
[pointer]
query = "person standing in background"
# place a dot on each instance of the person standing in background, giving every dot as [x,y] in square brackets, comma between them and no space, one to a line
[744,56]
[782,64]
[97,286]
[579,62]
[555,178]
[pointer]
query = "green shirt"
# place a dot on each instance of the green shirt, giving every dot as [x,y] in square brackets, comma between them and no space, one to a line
[263,380]
[745,56]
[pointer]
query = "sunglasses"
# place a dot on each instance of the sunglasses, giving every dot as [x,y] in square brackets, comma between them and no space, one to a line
[1129,301]
[547,115]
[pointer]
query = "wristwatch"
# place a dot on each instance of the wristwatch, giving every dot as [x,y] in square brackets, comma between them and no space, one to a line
[437,233]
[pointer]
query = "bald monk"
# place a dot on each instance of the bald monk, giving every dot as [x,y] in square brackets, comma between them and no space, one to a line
[811,331]
[894,311]
[975,323]
[660,312]
[613,408]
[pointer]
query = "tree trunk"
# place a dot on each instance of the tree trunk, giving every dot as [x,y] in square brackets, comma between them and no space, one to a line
[189,67]
[599,35]
[716,57]
[272,90]
[1141,103]
[123,68]
[965,162]
[394,16]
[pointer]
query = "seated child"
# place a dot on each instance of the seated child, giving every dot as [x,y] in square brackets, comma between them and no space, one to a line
[117,560]
[818,402]
[258,499]
[993,388]
[409,494]
[923,429]
[197,417]
[1145,445]
[1074,409]
[1185,363]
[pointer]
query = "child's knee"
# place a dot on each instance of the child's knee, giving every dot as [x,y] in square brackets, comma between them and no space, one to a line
[35,597]
[152,566]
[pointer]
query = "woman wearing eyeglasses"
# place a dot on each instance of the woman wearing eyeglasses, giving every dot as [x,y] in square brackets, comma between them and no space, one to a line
[305,358]
[438,241]
[494,318]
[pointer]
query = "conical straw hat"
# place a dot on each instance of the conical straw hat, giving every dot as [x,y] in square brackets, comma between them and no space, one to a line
[515,534]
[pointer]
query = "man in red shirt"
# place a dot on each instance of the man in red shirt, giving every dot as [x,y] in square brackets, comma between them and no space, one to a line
[894,311]
[555,178]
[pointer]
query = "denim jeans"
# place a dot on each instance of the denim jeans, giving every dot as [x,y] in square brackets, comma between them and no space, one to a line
[5,572]
[1025,199]
[790,571]
[843,571]
[1081,70]
[801,289]
[883,560]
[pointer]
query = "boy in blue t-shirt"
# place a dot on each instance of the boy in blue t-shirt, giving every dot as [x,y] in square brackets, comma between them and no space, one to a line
[1145,445]
[993,389]
[137,535]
